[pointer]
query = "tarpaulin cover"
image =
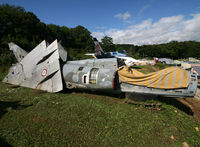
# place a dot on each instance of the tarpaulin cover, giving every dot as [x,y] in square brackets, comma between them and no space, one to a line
[168,78]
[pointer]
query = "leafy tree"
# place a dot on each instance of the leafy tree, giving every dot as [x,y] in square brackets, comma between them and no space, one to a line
[107,44]
[82,39]
[26,30]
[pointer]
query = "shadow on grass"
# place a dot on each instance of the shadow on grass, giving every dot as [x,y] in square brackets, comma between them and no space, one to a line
[6,106]
[115,94]
[3,143]
[169,101]
[174,102]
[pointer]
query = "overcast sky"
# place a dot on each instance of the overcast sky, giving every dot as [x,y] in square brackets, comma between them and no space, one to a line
[136,22]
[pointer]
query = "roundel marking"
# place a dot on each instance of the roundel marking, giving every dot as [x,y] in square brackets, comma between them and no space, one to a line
[44,72]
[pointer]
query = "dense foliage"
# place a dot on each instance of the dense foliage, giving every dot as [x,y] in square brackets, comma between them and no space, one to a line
[26,30]
[174,50]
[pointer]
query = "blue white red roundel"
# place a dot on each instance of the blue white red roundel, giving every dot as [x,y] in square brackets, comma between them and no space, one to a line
[44,72]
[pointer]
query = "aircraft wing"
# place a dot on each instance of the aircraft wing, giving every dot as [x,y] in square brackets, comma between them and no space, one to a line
[39,69]
[90,54]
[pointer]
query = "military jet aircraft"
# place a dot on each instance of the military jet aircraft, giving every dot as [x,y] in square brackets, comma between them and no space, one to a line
[122,54]
[47,68]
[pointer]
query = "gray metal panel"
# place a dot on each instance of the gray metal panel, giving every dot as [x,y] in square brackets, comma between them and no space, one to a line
[78,73]
[17,51]
[62,52]
[39,69]
[101,63]
[187,92]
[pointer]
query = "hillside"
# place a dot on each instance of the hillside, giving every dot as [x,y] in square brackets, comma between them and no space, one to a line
[35,118]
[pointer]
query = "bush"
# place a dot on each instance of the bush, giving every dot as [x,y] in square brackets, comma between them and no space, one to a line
[7,59]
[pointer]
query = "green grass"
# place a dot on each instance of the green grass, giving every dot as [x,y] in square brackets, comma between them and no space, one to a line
[150,68]
[34,118]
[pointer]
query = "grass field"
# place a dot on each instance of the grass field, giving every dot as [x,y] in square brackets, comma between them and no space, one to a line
[79,118]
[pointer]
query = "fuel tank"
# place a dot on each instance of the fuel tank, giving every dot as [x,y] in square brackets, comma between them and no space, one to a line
[91,74]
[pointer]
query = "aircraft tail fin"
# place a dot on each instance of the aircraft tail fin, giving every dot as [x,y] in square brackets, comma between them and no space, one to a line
[97,48]
[18,52]
[39,69]
[62,52]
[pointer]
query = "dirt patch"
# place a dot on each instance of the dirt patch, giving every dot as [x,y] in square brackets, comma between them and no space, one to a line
[194,105]
[155,69]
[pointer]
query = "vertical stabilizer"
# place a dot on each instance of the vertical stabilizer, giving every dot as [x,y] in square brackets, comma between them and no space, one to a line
[39,69]
[62,52]
[97,48]
[18,52]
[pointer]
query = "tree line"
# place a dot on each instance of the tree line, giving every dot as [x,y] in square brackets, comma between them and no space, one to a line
[173,50]
[26,30]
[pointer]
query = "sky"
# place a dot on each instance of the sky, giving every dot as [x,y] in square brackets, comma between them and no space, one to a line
[136,22]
